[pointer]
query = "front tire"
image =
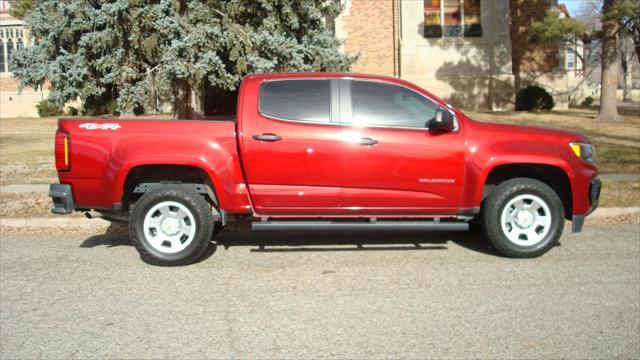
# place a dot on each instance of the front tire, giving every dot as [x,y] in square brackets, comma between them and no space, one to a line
[171,225]
[523,218]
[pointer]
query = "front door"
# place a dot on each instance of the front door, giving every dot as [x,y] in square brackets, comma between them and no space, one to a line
[392,163]
[291,148]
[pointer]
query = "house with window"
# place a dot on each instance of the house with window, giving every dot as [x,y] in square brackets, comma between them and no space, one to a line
[13,36]
[473,53]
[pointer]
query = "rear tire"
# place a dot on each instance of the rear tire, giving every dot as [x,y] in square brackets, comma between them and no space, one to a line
[171,225]
[523,218]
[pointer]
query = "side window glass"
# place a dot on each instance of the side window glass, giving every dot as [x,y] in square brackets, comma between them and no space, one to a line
[381,104]
[303,100]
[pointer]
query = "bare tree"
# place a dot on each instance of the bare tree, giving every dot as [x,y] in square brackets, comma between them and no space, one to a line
[609,76]
[627,52]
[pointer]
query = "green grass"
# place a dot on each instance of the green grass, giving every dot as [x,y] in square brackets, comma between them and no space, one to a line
[612,158]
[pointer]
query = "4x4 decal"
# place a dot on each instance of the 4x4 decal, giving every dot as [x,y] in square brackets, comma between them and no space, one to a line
[94,126]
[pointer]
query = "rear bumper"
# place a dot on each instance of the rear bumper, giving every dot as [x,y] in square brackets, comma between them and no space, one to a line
[62,199]
[595,186]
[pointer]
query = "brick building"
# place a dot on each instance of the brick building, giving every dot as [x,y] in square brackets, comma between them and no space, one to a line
[550,66]
[473,53]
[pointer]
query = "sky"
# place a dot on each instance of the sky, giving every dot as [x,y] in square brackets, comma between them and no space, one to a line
[572,5]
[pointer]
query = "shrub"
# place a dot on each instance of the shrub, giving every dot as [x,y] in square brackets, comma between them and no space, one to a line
[46,108]
[534,98]
[99,105]
[72,111]
[138,110]
[588,101]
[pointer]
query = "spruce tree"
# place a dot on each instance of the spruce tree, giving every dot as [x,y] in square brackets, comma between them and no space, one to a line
[134,51]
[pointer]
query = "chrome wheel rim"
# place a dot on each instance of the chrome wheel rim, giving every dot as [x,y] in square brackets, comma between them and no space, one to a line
[169,227]
[526,220]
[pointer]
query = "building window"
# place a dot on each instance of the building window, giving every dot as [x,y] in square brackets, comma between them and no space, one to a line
[570,58]
[10,55]
[2,67]
[452,18]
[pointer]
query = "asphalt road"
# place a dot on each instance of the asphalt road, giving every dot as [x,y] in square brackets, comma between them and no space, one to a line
[322,295]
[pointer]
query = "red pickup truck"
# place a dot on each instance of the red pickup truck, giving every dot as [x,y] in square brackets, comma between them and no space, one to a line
[322,151]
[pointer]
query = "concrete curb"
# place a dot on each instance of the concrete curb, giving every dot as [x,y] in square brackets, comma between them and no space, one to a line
[24,188]
[96,224]
[614,211]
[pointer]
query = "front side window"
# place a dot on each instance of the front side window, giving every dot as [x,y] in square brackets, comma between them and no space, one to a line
[302,100]
[452,18]
[382,104]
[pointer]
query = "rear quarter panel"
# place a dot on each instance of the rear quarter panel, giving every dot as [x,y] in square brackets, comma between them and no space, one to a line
[102,156]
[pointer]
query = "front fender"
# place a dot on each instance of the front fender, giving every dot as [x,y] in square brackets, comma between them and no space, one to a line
[476,180]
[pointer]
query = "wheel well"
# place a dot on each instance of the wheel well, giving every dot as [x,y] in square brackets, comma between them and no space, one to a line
[170,174]
[551,175]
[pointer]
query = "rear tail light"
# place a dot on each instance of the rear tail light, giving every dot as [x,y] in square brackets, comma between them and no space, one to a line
[63,151]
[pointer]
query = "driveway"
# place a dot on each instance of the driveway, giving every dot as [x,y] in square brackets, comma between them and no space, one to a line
[323,295]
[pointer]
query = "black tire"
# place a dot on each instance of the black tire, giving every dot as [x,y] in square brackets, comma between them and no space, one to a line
[196,205]
[500,197]
[217,228]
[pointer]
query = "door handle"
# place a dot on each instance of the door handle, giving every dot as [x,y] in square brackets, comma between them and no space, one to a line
[267,137]
[367,141]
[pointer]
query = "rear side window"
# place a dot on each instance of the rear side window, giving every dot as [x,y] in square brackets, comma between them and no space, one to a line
[303,100]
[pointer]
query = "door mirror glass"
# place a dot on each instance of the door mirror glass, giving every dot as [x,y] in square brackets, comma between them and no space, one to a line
[443,121]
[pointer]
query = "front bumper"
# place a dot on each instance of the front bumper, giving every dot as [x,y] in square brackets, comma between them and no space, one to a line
[62,199]
[595,186]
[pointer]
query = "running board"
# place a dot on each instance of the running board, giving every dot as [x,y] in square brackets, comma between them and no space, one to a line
[378,225]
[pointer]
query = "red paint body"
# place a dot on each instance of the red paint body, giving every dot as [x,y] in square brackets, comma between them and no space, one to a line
[315,171]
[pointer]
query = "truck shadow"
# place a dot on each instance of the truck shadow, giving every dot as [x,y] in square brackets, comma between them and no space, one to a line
[320,241]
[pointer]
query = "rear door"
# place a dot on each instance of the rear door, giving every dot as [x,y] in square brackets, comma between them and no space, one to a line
[392,163]
[291,146]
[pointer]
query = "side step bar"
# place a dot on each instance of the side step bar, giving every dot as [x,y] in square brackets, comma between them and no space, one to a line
[378,225]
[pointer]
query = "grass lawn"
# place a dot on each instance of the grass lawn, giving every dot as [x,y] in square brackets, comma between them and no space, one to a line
[620,194]
[26,148]
[26,151]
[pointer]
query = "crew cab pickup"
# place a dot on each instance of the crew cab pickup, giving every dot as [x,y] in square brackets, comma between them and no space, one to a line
[323,151]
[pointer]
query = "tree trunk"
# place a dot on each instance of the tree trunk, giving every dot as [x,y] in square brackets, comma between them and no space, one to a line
[609,77]
[627,66]
[189,101]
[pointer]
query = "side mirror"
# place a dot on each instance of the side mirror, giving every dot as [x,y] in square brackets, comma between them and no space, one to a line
[442,122]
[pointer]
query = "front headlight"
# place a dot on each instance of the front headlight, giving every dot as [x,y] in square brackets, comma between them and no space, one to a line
[584,151]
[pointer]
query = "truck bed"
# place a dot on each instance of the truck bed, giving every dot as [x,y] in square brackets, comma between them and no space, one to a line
[103,151]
